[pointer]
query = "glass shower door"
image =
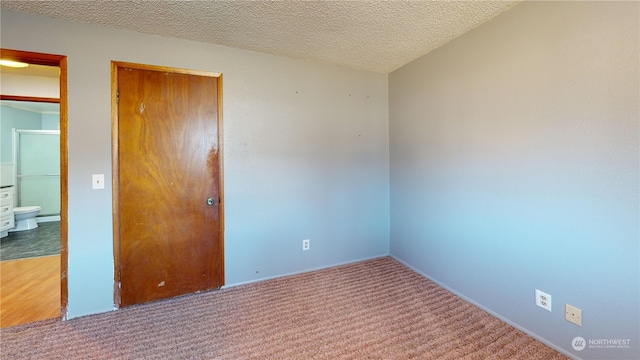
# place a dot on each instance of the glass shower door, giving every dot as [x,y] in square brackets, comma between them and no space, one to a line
[38,169]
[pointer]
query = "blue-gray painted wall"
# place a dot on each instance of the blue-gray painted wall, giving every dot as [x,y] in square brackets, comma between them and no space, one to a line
[514,166]
[305,153]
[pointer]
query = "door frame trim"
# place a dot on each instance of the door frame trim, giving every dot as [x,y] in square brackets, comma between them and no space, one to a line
[61,62]
[115,66]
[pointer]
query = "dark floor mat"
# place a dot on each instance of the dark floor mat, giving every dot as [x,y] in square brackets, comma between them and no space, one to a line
[41,241]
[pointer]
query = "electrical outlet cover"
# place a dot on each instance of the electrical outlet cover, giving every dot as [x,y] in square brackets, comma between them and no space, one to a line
[543,300]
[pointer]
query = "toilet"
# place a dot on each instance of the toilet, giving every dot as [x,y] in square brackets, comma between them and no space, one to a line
[25,218]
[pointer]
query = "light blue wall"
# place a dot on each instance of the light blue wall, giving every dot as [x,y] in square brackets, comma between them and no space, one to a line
[311,163]
[514,154]
[305,153]
[14,118]
[50,121]
[44,192]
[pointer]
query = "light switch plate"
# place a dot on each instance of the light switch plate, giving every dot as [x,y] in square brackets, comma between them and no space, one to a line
[97,181]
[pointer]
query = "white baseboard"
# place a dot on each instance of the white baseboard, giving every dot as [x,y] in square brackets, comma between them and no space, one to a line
[43,219]
[226,286]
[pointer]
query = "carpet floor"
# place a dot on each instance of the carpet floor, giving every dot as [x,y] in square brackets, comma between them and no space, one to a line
[375,309]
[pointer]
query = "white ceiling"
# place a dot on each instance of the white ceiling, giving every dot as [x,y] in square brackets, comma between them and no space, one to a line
[378,36]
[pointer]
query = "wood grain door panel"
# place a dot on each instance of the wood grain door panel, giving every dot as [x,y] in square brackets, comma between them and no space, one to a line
[168,166]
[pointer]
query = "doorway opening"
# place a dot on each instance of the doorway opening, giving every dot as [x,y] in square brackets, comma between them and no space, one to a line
[43,276]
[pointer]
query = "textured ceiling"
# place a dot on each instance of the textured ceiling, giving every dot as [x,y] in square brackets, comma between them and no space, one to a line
[379,36]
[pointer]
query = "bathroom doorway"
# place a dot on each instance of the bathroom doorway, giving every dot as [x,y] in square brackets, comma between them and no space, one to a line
[33,283]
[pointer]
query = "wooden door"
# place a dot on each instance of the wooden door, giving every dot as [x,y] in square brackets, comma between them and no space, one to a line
[167,189]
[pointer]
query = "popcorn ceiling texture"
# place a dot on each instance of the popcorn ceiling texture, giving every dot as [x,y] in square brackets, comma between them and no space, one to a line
[370,35]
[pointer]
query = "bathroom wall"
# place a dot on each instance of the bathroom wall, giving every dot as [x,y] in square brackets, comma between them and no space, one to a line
[32,86]
[7,176]
[50,121]
[305,153]
[515,166]
[15,118]
[42,191]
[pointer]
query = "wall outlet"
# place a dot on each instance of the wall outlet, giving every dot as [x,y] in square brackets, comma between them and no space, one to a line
[305,244]
[573,314]
[543,300]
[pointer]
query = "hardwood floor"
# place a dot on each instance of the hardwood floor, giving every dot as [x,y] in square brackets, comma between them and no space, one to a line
[29,290]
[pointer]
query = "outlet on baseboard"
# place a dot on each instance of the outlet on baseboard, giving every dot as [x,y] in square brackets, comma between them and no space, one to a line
[543,300]
[305,244]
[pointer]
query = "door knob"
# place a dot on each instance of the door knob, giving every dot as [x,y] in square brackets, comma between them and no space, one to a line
[210,201]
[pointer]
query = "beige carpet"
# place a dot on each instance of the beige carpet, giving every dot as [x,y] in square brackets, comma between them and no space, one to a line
[376,309]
